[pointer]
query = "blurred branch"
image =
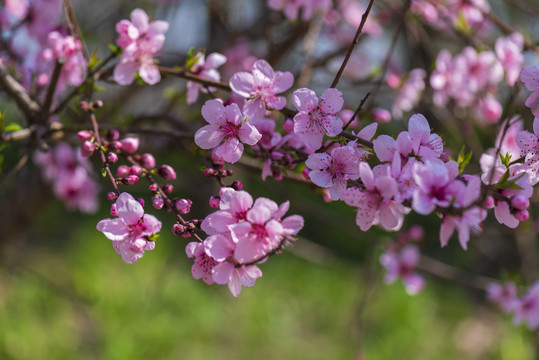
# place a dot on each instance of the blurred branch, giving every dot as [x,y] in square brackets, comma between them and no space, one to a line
[29,107]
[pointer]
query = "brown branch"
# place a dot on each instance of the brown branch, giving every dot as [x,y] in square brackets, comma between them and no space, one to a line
[29,107]
[353,45]
[45,110]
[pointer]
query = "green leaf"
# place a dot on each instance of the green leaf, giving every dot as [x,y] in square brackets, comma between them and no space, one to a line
[153,237]
[191,58]
[12,127]
[94,59]
[2,121]
[104,172]
[463,159]
[506,160]
[113,48]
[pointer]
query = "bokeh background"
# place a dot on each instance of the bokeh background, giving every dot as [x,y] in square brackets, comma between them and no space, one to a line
[65,294]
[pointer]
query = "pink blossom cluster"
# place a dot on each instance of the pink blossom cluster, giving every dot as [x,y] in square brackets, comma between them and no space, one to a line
[400,264]
[409,90]
[292,8]
[464,16]
[524,309]
[140,40]
[206,68]
[242,233]
[471,78]
[131,231]
[71,177]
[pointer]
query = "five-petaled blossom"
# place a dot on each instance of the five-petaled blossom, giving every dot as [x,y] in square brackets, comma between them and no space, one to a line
[206,68]
[260,87]
[141,41]
[132,230]
[228,129]
[400,264]
[316,118]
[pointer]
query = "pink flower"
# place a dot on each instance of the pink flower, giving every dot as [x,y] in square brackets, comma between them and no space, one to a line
[409,92]
[316,118]
[401,265]
[333,171]
[509,52]
[291,7]
[527,308]
[505,296]
[235,277]
[228,129]
[206,68]
[435,185]
[141,40]
[260,88]
[529,147]
[204,264]
[131,231]
[530,77]
[376,204]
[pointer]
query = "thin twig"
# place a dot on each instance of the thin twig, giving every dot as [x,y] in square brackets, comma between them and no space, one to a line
[353,45]
[29,107]
[45,110]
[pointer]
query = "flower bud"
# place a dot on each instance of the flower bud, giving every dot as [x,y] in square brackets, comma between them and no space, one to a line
[168,188]
[305,172]
[113,135]
[85,135]
[84,105]
[416,232]
[112,196]
[130,180]
[114,210]
[130,144]
[167,172]
[141,201]
[489,202]
[122,171]
[214,202]
[237,185]
[522,215]
[209,172]
[87,148]
[112,158]
[381,115]
[158,202]
[183,205]
[135,170]
[98,104]
[520,202]
[288,125]
[147,161]
[178,229]
[153,187]
[116,146]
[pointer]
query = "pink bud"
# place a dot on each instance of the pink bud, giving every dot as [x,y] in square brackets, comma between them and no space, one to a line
[288,125]
[130,180]
[167,172]
[135,170]
[84,105]
[305,172]
[416,232]
[522,215]
[113,135]
[85,135]
[168,188]
[393,81]
[116,145]
[122,171]
[178,229]
[183,205]
[112,196]
[153,187]
[214,202]
[114,210]
[520,202]
[87,148]
[141,201]
[158,202]
[237,185]
[98,104]
[112,158]
[381,115]
[130,144]
[209,172]
[489,202]
[147,161]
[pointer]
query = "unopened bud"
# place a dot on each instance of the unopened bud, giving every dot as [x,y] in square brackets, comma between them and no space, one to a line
[520,202]
[113,135]
[84,105]
[85,135]
[130,144]
[112,196]
[167,172]
[522,215]
[147,161]
[153,187]
[381,115]
[87,148]
[98,104]
[122,171]
[168,188]
[112,158]
[183,205]
[130,180]
[135,170]
[116,146]
[178,229]
[288,125]
[489,202]
[237,185]
[114,210]
[209,172]
[305,172]
[158,202]
[214,202]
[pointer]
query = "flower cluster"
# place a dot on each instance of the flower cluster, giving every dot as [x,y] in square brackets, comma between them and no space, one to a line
[140,41]
[70,175]
[242,234]
[206,68]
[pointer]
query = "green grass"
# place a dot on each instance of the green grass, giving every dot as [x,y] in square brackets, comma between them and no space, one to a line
[78,300]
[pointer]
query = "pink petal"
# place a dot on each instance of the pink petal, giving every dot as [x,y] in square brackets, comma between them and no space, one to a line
[242,83]
[124,72]
[222,272]
[129,209]
[214,60]
[283,81]
[304,100]
[331,102]
[113,229]
[530,77]
[213,112]
[264,67]
[321,178]
[150,74]
[140,19]
[208,137]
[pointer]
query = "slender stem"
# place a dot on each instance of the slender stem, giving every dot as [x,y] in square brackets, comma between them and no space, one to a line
[353,45]
[29,107]
[192,77]
[103,157]
[45,110]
